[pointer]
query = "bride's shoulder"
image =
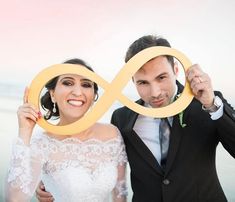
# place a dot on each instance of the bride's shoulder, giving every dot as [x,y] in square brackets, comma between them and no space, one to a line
[106,131]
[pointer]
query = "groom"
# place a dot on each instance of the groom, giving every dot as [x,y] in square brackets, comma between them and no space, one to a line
[182,167]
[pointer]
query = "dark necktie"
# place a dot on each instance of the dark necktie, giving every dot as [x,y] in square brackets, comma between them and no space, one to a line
[164,137]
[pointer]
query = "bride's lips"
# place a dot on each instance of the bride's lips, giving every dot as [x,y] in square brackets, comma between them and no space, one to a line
[75,103]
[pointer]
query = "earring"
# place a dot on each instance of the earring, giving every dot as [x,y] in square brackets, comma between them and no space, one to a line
[54,107]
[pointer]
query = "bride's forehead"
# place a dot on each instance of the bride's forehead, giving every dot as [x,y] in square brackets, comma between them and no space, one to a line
[72,76]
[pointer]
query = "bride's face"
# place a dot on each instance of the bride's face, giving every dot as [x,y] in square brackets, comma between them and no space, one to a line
[73,94]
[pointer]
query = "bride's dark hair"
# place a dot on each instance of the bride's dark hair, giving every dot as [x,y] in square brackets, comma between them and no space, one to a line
[46,101]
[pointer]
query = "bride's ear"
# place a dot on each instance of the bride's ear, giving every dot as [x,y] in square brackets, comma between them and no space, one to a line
[51,92]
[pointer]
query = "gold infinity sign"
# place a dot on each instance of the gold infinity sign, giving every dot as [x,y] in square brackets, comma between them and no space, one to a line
[112,91]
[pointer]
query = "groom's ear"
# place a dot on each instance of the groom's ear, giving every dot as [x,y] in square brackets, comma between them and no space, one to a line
[176,68]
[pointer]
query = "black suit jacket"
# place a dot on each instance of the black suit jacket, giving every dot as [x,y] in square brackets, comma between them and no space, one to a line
[190,174]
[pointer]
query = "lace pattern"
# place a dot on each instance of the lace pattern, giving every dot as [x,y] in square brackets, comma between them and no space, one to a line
[18,176]
[69,165]
[121,189]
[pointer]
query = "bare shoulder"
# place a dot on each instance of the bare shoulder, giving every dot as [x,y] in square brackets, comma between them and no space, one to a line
[105,131]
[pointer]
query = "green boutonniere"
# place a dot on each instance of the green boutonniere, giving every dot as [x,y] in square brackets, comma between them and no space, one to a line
[181,115]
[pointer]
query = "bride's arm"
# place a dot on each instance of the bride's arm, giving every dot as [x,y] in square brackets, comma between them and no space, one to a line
[26,160]
[120,190]
[24,172]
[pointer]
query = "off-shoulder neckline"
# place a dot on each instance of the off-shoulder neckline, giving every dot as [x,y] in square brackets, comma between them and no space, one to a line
[77,140]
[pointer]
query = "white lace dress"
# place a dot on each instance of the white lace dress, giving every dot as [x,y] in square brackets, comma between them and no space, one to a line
[71,170]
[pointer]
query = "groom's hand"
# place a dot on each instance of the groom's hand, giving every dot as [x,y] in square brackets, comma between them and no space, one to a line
[42,195]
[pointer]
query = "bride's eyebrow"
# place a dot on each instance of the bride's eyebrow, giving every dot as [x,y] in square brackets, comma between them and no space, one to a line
[67,77]
[71,78]
[88,80]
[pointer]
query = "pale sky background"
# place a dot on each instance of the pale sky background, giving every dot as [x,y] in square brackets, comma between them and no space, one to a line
[37,34]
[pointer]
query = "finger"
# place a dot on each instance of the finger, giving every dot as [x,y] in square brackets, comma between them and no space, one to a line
[26,93]
[25,115]
[203,79]
[194,71]
[29,109]
[197,91]
[41,185]
[43,199]
[199,87]
[29,106]
[195,81]
[200,79]
[193,75]
[43,194]
[28,114]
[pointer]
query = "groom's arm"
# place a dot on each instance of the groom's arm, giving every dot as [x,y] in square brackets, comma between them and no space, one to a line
[42,195]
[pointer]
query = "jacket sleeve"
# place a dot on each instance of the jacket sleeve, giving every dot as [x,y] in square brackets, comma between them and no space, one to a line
[225,126]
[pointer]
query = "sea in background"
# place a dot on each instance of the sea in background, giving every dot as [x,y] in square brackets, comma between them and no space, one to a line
[11,98]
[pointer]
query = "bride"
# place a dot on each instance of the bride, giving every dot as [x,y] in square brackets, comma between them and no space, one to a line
[85,167]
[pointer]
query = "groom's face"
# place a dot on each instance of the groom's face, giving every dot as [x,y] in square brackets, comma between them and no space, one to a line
[155,82]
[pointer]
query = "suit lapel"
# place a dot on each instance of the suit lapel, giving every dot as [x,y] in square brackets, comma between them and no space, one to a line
[175,136]
[137,143]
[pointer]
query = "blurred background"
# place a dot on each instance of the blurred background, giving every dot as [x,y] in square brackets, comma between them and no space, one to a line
[38,34]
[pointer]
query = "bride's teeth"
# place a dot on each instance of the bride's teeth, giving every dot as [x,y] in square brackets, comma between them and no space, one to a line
[75,102]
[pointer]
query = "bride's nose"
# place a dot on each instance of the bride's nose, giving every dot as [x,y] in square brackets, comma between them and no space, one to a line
[77,90]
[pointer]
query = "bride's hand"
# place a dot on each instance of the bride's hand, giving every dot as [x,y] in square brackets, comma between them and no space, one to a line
[27,118]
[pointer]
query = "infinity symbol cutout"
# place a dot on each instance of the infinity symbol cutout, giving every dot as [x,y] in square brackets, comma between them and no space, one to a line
[112,91]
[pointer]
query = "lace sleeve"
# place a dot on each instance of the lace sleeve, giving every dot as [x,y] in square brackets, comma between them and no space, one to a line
[120,190]
[24,172]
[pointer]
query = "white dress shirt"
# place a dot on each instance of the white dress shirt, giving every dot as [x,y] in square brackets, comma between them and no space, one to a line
[147,129]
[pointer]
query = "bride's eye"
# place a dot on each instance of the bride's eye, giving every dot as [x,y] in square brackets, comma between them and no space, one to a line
[67,83]
[87,84]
